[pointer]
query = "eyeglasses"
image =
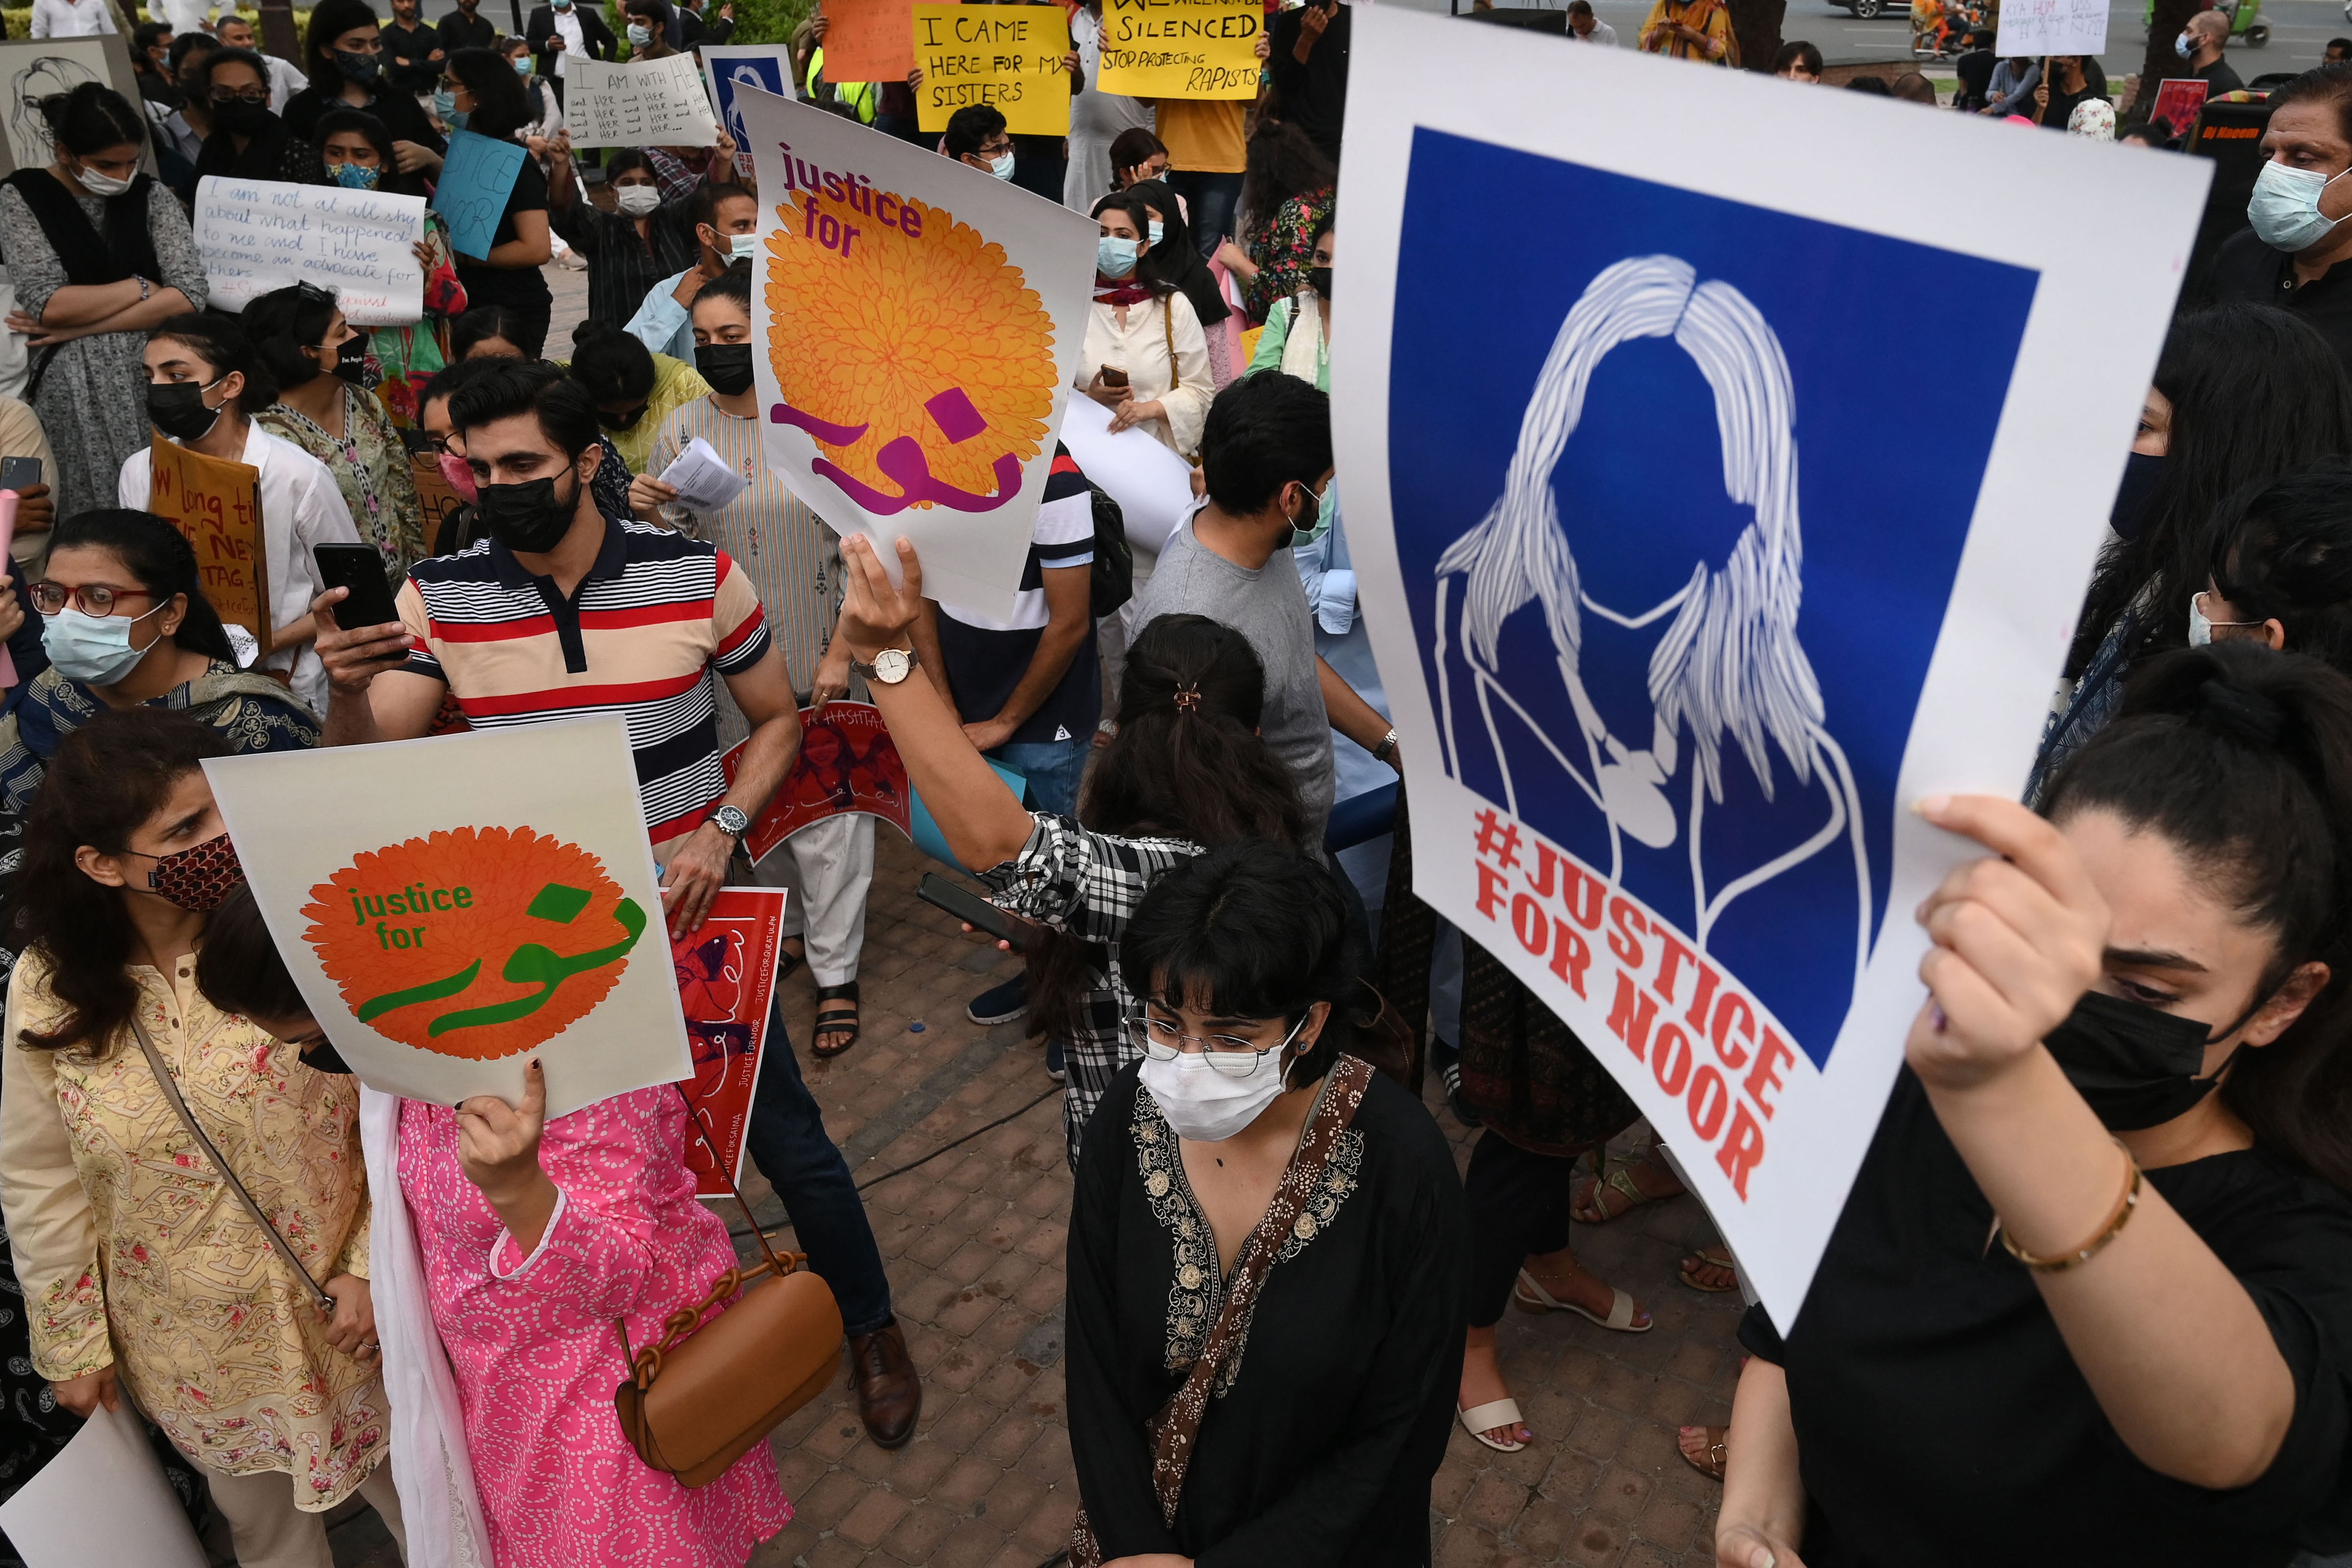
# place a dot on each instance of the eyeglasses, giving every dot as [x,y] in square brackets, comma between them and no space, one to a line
[1228,1054]
[90,598]
[244,95]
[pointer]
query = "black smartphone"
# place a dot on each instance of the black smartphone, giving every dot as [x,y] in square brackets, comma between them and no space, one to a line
[19,474]
[360,568]
[976,911]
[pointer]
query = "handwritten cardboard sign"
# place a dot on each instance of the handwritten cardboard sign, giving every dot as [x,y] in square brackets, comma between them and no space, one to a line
[639,103]
[217,504]
[435,496]
[1006,55]
[726,979]
[2052,28]
[477,178]
[1180,48]
[260,235]
[868,40]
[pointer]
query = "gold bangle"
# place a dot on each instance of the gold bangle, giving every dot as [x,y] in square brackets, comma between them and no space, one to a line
[2107,1233]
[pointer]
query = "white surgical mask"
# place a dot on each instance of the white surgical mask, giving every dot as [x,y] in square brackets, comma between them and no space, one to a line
[2184,45]
[1002,167]
[93,649]
[743,247]
[1206,1105]
[100,185]
[2200,629]
[1115,256]
[2284,207]
[636,200]
[1158,228]
[640,35]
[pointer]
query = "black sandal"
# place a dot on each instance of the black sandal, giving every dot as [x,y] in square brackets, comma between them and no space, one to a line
[834,1020]
[787,961]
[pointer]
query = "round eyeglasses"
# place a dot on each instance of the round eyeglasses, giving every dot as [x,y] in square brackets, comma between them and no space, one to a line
[1228,1054]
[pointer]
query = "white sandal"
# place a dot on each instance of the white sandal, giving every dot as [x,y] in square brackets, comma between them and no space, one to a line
[1531,1296]
[1490,1416]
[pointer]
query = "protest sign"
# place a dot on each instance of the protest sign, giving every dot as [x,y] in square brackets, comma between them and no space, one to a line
[637,103]
[2052,28]
[868,40]
[726,979]
[1180,48]
[2177,99]
[765,66]
[436,498]
[477,178]
[259,235]
[456,907]
[1152,485]
[847,763]
[1650,772]
[920,325]
[101,1498]
[217,504]
[1009,56]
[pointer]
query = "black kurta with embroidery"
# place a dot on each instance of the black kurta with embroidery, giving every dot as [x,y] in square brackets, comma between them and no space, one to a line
[1321,1438]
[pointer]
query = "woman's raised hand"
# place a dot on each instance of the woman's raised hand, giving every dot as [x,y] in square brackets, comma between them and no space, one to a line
[498,1144]
[874,615]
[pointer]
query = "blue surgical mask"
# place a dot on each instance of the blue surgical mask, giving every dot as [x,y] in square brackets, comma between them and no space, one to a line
[2184,45]
[1114,257]
[1326,512]
[2284,207]
[1002,167]
[639,36]
[522,68]
[357,176]
[444,104]
[744,247]
[93,649]
[1158,228]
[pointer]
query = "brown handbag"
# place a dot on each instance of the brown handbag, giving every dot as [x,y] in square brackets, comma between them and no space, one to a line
[696,1401]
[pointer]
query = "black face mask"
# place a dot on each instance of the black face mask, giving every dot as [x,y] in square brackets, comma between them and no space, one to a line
[239,118]
[726,366]
[528,516]
[358,68]
[623,421]
[351,360]
[2142,474]
[177,409]
[1321,278]
[2133,1066]
[322,1057]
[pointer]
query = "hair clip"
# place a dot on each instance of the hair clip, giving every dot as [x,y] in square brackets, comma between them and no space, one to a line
[1188,696]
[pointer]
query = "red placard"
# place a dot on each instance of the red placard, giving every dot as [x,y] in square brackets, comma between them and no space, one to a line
[2177,99]
[847,763]
[726,981]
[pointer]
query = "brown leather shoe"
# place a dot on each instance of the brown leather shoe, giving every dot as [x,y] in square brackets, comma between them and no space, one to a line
[889,1393]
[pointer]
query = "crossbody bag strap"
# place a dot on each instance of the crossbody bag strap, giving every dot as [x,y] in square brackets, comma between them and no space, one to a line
[171,1087]
[1168,323]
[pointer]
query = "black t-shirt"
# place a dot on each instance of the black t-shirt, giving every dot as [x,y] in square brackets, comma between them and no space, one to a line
[2247,271]
[2219,78]
[1314,95]
[487,285]
[456,33]
[986,663]
[404,120]
[1941,1421]
[408,65]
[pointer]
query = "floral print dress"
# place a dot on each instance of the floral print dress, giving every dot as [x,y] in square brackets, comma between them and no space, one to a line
[370,468]
[1283,248]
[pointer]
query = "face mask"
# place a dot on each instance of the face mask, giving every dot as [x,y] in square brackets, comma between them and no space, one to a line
[528,517]
[1205,1105]
[623,421]
[563,5]
[351,359]
[198,877]
[638,200]
[177,408]
[100,185]
[522,68]
[1327,509]
[2142,474]
[459,474]
[357,176]
[239,118]
[639,37]
[1321,276]
[1157,230]
[2284,207]
[743,247]
[726,366]
[2133,1066]
[1114,257]
[93,649]
[2184,45]
[1002,167]
[358,68]
[322,1057]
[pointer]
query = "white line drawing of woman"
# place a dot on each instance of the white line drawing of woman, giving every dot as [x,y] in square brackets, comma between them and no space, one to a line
[1729,661]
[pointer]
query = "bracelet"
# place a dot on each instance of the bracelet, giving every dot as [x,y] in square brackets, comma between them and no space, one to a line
[1388,744]
[145,287]
[2107,1233]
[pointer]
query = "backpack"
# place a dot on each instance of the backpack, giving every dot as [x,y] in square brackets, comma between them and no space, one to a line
[1114,570]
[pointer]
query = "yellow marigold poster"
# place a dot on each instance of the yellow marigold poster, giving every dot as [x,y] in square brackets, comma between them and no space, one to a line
[454,908]
[920,323]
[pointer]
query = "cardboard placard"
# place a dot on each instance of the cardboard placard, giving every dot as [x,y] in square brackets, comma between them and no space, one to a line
[726,981]
[436,496]
[868,40]
[2041,27]
[847,763]
[1180,48]
[2177,99]
[257,236]
[477,178]
[1006,55]
[637,103]
[217,504]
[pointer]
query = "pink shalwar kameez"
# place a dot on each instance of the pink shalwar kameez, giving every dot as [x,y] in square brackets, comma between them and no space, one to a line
[533,1344]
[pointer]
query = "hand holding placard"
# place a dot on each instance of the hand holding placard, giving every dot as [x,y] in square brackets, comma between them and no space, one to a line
[2042,27]
[639,103]
[1180,48]
[259,235]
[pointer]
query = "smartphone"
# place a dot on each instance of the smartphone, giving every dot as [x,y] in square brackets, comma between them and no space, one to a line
[976,911]
[361,569]
[19,474]
[1113,377]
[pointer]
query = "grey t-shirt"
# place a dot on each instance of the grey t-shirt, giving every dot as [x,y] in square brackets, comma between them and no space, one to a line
[1268,606]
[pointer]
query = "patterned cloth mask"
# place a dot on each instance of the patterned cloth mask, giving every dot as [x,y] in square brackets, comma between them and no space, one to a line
[198,877]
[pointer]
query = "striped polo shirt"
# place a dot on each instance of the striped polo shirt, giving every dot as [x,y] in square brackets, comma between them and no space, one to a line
[639,638]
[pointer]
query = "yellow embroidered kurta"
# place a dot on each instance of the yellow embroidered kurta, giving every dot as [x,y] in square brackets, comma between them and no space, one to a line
[132,1252]
[1705,17]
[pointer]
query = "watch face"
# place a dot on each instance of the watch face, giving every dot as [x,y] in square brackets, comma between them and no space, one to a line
[730,820]
[891,665]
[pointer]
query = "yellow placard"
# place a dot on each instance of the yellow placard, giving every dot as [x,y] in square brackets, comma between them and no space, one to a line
[1009,56]
[1180,48]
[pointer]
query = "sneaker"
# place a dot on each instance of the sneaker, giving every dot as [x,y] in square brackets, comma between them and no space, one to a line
[1003,1003]
[1448,1062]
[1053,1068]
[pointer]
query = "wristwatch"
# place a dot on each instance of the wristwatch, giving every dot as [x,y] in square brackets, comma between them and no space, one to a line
[891,666]
[732,822]
[1388,744]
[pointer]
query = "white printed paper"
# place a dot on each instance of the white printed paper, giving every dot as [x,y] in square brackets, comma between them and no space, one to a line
[1152,485]
[2041,27]
[702,479]
[257,236]
[102,1500]
[637,103]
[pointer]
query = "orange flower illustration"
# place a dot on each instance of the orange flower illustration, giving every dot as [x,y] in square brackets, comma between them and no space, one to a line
[476,943]
[874,337]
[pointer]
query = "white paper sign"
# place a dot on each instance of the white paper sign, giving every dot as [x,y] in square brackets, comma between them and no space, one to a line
[2052,28]
[102,1500]
[1152,485]
[452,908]
[1666,684]
[920,324]
[637,103]
[259,235]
